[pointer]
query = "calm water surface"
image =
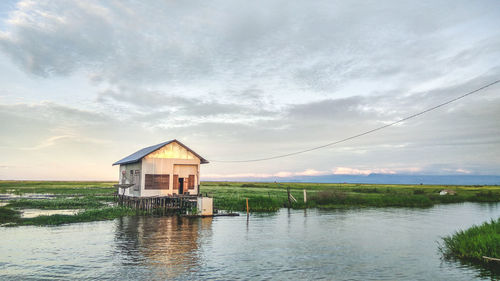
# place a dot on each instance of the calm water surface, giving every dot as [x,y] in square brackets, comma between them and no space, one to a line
[362,244]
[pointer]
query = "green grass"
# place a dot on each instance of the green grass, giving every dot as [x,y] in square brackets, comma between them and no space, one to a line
[86,202]
[12,217]
[57,187]
[108,213]
[8,215]
[472,244]
[326,199]
[272,196]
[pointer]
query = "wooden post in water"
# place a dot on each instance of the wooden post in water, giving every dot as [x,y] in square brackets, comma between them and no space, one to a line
[248,209]
[289,200]
[305,196]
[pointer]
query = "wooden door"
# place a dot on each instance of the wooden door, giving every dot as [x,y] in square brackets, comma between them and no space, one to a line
[191,182]
[181,185]
[176,182]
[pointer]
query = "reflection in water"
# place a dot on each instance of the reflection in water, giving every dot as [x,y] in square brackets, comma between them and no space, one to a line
[248,222]
[490,271]
[170,245]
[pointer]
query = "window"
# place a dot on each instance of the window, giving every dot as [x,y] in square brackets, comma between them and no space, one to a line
[157,181]
[131,176]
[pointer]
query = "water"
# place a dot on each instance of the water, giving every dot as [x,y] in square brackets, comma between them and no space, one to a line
[362,244]
[31,213]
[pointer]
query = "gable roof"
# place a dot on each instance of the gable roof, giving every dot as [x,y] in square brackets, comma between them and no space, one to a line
[138,155]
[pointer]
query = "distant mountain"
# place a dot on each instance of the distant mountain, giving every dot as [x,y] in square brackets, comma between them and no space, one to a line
[385,179]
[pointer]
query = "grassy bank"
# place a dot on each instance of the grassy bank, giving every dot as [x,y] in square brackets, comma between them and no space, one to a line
[108,213]
[12,217]
[86,202]
[7,215]
[272,196]
[472,244]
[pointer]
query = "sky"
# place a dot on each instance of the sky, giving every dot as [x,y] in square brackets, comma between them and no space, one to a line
[86,83]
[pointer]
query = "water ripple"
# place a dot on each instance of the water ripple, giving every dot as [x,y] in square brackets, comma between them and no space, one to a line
[357,244]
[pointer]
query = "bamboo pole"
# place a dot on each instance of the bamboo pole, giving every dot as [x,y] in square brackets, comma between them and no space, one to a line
[248,209]
[289,199]
[491,259]
[305,196]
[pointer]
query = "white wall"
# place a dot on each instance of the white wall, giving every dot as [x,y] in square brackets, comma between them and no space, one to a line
[205,206]
[126,179]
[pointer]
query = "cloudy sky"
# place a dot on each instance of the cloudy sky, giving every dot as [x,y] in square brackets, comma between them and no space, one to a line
[85,83]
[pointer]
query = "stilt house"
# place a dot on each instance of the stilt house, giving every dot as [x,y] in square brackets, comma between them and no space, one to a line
[164,169]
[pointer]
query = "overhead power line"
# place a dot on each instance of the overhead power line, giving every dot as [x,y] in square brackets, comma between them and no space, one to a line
[363,133]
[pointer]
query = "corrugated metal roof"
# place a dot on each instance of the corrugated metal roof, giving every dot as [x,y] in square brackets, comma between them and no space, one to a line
[136,156]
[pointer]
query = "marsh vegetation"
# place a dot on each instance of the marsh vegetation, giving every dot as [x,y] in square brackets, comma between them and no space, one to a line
[475,243]
[265,197]
[95,199]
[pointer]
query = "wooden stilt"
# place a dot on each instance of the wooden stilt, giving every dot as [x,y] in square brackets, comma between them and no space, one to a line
[158,205]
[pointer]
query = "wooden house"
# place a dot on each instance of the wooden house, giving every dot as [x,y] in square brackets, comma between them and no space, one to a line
[165,169]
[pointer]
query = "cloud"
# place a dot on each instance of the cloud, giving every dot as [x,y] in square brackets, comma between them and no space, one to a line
[245,80]
[311,172]
[48,142]
[316,45]
[463,171]
[458,136]
[51,141]
[181,105]
[281,174]
[336,171]
[62,142]
[353,171]
[350,171]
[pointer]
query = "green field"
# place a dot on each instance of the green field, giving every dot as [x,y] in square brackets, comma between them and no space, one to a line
[67,188]
[94,198]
